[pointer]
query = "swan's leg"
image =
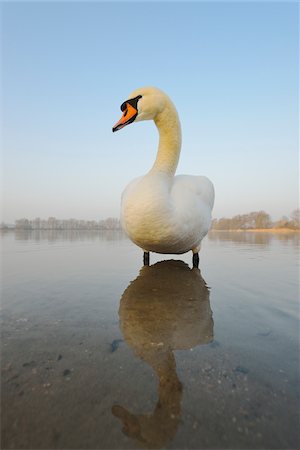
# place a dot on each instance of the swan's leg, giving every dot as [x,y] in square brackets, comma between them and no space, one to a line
[196,260]
[196,256]
[146,258]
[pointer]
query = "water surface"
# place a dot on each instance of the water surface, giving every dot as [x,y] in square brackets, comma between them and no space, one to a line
[99,352]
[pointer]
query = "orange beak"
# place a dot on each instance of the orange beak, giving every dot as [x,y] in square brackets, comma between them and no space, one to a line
[128,117]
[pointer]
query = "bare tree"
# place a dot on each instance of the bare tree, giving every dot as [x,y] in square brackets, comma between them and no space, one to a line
[295,216]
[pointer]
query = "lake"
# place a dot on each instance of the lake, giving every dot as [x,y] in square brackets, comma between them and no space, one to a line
[99,352]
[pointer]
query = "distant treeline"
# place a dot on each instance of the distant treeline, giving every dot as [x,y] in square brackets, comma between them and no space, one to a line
[250,221]
[111,223]
[257,220]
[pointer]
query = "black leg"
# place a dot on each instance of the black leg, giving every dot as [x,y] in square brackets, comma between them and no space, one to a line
[196,260]
[146,258]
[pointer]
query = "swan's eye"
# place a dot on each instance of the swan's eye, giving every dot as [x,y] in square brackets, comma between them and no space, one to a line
[132,101]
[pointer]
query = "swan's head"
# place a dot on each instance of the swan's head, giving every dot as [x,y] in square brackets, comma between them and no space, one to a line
[142,104]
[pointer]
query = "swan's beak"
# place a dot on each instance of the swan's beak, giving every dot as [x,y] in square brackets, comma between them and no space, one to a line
[128,117]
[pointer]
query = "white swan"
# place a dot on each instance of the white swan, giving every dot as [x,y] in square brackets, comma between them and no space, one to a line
[161,212]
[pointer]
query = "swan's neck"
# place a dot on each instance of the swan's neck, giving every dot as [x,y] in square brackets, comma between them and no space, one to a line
[169,129]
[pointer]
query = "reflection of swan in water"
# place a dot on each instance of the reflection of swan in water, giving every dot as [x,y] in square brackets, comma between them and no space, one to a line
[165,308]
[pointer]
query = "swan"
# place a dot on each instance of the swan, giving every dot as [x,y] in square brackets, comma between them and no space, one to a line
[161,212]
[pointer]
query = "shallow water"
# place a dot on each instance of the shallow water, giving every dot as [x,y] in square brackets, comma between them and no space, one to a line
[99,352]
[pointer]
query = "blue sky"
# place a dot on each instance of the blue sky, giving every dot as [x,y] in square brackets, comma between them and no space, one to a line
[231,69]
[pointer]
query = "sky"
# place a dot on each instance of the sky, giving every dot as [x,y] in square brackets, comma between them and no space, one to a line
[231,68]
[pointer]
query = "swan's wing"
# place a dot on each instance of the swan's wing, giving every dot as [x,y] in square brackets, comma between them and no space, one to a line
[200,186]
[193,200]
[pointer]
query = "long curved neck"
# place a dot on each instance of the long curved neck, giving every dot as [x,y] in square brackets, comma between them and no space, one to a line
[169,129]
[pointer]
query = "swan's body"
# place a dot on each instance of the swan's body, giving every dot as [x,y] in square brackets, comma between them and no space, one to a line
[161,212]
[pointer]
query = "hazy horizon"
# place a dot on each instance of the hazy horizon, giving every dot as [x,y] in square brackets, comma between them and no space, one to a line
[230,68]
[102,218]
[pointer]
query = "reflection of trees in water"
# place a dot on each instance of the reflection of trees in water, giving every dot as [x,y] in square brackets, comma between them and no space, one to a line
[250,237]
[69,235]
[289,237]
[165,308]
[242,237]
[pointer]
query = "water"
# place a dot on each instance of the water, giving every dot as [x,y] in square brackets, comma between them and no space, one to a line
[99,352]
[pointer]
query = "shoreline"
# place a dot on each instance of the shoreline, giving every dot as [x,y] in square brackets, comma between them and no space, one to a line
[261,230]
[238,230]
